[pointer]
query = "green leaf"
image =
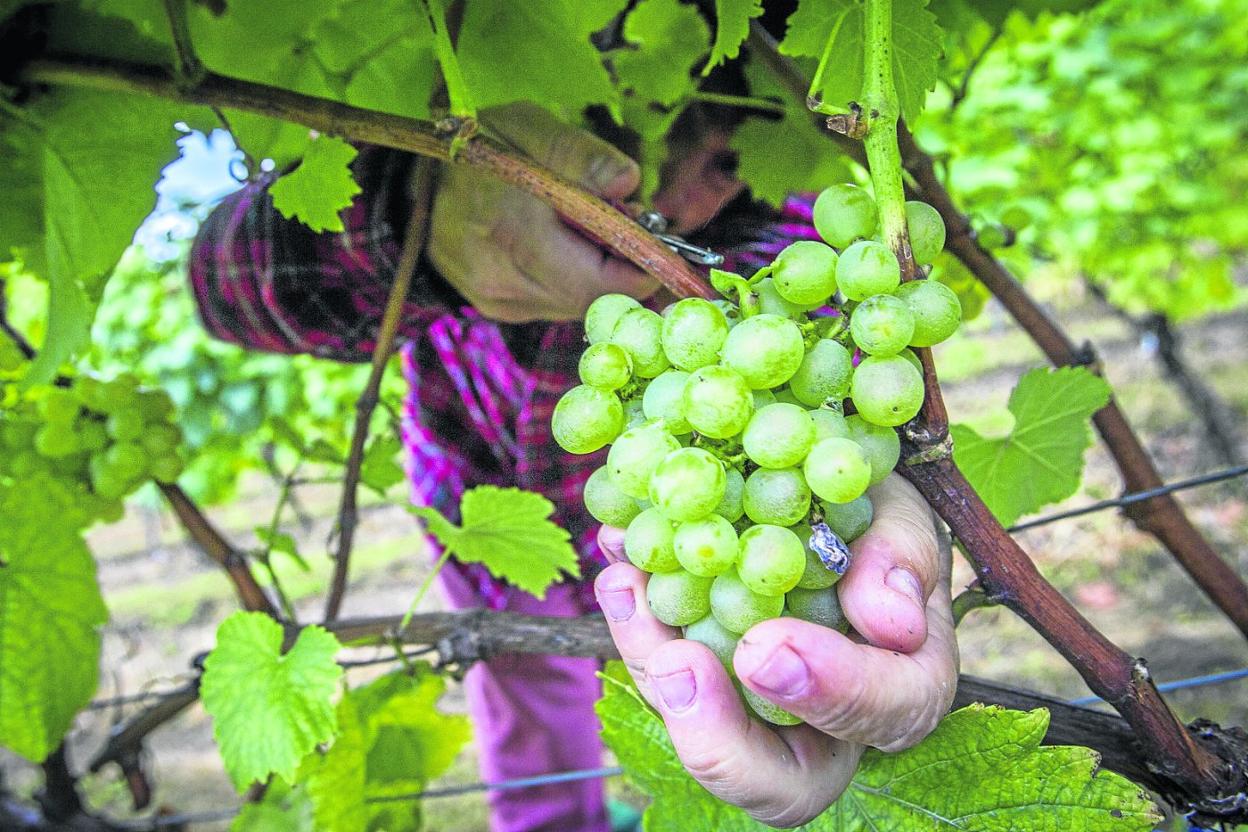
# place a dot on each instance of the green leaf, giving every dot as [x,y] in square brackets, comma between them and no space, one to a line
[667,38]
[50,614]
[777,158]
[335,780]
[379,469]
[982,769]
[732,27]
[917,44]
[1040,461]
[282,809]
[411,739]
[319,189]
[283,543]
[510,532]
[269,710]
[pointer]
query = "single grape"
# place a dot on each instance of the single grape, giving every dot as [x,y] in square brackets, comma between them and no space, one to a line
[604,313]
[59,406]
[880,444]
[936,310]
[849,520]
[706,547]
[770,302]
[779,436]
[109,510]
[634,413]
[828,423]
[818,606]
[772,559]
[688,484]
[720,640]
[155,406]
[678,598]
[607,503]
[11,356]
[106,482]
[804,273]
[19,434]
[166,469]
[664,399]
[737,608]
[823,374]
[55,440]
[732,506]
[844,213]
[765,350]
[913,358]
[882,325]
[785,396]
[635,455]
[640,333]
[693,332]
[717,401]
[605,366]
[762,398]
[867,268]
[648,542]
[816,575]
[927,231]
[887,390]
[159,440]
[25,464]
[837,470]
[127,460]
[90,392]
[776,496]
[92,436]
[125,425]
[120,394]
[586,419]
[767,710]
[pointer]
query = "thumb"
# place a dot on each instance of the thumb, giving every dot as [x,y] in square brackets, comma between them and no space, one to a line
[568,151]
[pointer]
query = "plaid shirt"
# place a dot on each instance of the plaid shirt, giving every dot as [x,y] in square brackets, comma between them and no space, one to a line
[481,392]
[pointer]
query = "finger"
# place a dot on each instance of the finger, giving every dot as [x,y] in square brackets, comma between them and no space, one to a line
[621,592]
[894,569]
[780,777]
[611,542]
[856,692]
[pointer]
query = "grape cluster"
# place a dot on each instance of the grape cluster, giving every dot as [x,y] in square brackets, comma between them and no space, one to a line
[733,466]
[105,437]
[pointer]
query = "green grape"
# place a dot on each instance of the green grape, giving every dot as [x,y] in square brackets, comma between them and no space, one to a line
[765,350]
[849,521]
[125,425]
[927,231]
[59,406]
[732,506]
[648,542]
[880,445]
[887,390]
[640,333]
[25,463]
[818,606]
[109,510]
[910,356]
[93,437]
[706,547]
[867,268]
[737,608]
[106,482]
[679,598]
[693,332]
[837,470]
[776,496]
[823,374]
[768,710]
[717,401]
[608,504]
[804,273]
[11,357]
[718,639]
[90,392]
[605,366]
[882,325]
[816,575]
[635,455]
[586,419]
[159,440]
[936,310]
[1016,217]
[634,413]
[772,559]
[664,399]
[56,439]
[779,436]
[992,236]
[119,394]
[19,434]
[785,396]
[762,398]
[828,423]
[688,484]
[770,302]
[155,406]
[166,469]
[604,313]
[126,460]
[844,213]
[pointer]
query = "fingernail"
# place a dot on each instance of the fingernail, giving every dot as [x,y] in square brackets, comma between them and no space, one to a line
[900,579]
[677,690]
[783,672]
[618,604]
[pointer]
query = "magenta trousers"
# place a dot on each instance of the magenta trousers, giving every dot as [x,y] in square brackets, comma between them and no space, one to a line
[534,715]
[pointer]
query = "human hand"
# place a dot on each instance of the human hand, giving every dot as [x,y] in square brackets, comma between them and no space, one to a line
[888,692]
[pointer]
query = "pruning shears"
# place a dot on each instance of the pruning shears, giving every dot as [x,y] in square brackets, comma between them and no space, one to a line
[656,224]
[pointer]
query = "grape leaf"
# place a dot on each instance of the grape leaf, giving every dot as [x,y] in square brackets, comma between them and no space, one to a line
[1040,461]
[732,27]
[335,780]
[319,189]
[50,614]
[777,158]
[283,543]
[917,44]
[510,532]
[269,709]
[982,769]
[379,470]
[668,37]
[282,809]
